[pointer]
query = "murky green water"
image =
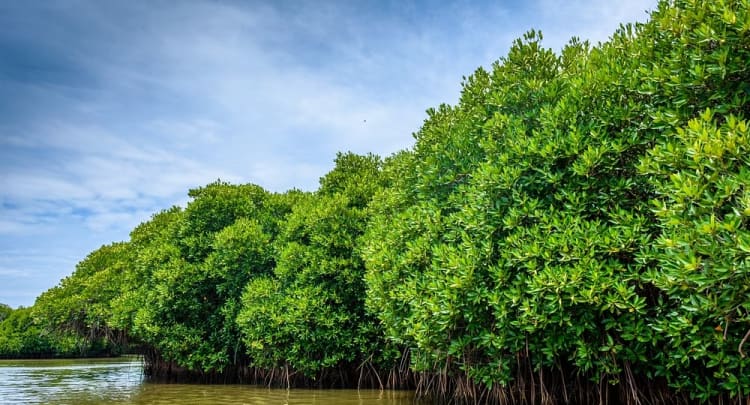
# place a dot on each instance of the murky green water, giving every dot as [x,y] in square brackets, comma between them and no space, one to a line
[120,381]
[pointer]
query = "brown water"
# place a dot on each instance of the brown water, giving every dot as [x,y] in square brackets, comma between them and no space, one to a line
[120,381]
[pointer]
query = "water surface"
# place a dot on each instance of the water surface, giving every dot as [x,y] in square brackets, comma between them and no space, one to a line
[120,381]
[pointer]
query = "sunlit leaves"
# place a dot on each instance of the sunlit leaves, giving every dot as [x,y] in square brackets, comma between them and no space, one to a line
[538,211]
[702,177]
[309,312]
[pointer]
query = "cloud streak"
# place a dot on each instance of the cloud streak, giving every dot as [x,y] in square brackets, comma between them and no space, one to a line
[111,111]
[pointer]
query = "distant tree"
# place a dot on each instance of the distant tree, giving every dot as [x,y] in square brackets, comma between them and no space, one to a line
[22,337]
[82,304]
[5,310]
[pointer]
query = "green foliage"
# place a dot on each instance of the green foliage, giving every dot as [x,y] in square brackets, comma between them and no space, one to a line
[213,208]
[5,310]
[197,267]
[702,257]
[74,318]
[356,176]
[22,336]
[520,235]
[19,336]
[152,245]
[309,314]
[81,305]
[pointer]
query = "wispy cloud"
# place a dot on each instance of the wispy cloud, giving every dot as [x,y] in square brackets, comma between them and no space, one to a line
[24,271]
[110,111]
[90,173]
[595,21]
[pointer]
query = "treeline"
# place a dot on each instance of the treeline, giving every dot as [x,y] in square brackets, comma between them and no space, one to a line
[576,229]
[24,336]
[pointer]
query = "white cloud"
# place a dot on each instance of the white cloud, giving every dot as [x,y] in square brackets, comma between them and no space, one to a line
[595,21]
[150,101]
[12,272]
[102,221]
[97,175]
[182,134]
[41,185]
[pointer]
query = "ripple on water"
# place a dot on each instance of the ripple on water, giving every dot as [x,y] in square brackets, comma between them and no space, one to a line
[69,381]
[120,381]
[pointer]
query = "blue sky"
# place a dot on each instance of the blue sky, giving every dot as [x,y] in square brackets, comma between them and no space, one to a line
[111,110]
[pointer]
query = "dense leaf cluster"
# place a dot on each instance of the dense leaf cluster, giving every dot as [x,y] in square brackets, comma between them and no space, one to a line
[578,225]
[582,214]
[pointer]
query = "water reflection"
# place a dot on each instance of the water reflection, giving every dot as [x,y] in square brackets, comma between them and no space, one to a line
[240,394]
[120,381]
[69,381]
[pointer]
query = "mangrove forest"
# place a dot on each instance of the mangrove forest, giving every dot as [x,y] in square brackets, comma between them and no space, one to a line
[575,229]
